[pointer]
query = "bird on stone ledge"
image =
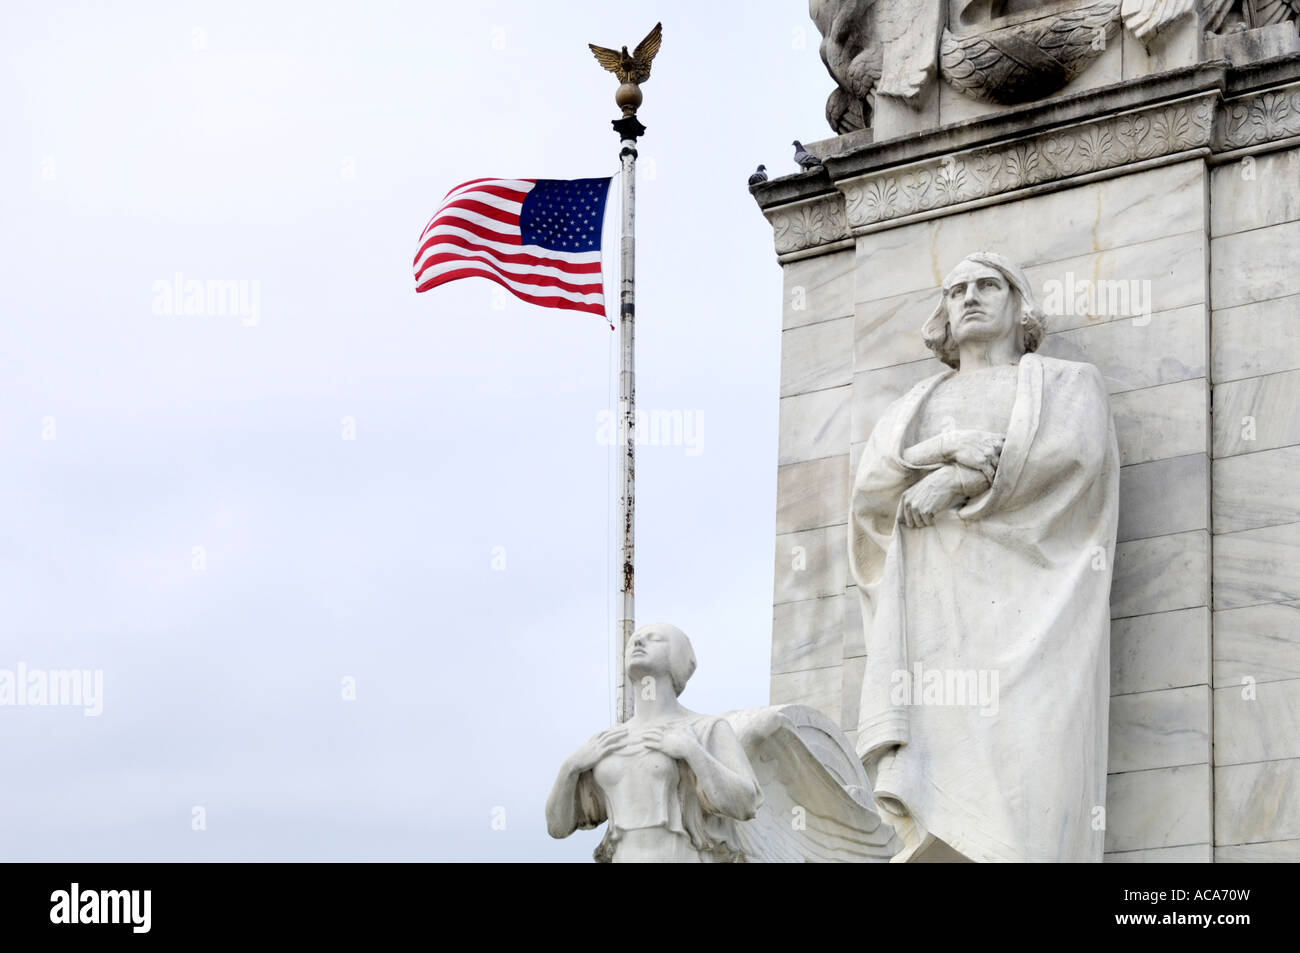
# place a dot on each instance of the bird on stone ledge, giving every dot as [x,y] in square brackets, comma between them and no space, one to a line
[805,158]
[759,176]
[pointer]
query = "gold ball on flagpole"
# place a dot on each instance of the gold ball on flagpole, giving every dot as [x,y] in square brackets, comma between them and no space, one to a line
[628,98]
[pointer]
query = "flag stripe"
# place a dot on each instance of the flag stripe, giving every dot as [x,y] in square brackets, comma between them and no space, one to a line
[465,185]
[482,210]
[519,254]
[489,195]
[519,185]
[444,215]
[438,255]
[590,295]
[546,301]
[533,276]
[475,224]
[484,200]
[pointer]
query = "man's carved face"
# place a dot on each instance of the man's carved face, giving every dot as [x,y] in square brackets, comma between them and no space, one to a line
[981,304]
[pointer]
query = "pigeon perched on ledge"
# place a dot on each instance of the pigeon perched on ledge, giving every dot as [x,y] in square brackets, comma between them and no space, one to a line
[805,158]
[759,176]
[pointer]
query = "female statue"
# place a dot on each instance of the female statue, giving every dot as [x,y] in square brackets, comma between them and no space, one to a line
[778,784]
[669,780]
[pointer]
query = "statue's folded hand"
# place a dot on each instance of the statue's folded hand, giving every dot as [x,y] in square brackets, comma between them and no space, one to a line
[973,482]
[672,741]
[927,498]
[600,744]
[977,449]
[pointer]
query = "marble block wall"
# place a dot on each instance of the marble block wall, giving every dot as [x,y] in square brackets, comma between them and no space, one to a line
[1201,221]
[1255,371]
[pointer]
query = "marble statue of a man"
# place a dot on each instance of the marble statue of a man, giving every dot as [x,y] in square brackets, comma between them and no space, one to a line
[982,534]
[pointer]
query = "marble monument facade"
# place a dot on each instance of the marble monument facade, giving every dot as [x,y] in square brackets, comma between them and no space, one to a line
[1157,216]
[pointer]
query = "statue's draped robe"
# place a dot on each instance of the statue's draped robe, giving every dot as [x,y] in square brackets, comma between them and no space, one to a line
[1015,582]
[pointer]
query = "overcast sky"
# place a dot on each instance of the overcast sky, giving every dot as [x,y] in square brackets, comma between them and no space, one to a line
[181,508]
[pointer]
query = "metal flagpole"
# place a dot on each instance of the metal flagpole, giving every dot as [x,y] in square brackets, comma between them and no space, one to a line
[632,69]
[631,128]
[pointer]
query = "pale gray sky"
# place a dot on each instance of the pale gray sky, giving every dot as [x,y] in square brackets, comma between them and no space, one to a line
[300,147]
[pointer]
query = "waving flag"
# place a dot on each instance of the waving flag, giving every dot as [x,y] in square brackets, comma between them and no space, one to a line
[539,238]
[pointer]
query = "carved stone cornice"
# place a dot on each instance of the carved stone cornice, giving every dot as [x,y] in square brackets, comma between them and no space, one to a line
[1212,108]
[799,226]
[972,174]
[1262,117]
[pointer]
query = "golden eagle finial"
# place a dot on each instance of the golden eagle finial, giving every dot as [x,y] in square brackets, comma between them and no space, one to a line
[632,69]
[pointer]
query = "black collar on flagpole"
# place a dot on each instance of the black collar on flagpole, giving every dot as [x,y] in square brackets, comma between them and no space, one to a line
[629,127]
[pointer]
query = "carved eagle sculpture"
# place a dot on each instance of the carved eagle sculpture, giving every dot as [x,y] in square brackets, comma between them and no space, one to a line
[634,67]
[852,50]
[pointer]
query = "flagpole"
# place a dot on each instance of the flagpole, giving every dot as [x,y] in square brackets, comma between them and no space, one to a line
[632,69]
[629,129]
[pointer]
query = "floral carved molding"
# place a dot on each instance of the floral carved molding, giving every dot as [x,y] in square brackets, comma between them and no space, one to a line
[807,224]
[1112,142]
[1270,115]
[1061,154]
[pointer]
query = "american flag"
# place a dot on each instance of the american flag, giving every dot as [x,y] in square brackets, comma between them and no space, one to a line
[539,238]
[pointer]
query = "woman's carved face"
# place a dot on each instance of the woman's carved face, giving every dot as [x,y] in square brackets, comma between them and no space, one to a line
[662,652]
[980,302]
[649,652]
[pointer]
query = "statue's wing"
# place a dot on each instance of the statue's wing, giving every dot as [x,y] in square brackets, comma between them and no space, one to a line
[969,63]
[612,60]
[1146,18]
[1275,11]
[851,45]
[817,805]
[1216,11]
[645,52]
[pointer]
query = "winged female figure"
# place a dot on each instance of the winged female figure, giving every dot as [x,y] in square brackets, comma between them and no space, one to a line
[676,786]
